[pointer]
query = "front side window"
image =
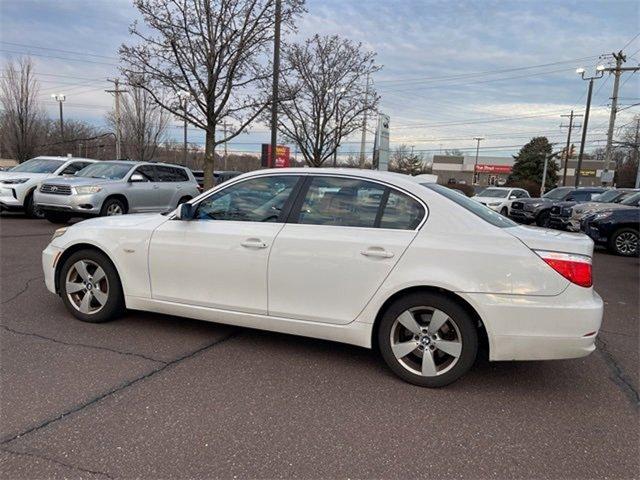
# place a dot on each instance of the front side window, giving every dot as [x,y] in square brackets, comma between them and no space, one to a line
[38,165]
[255,200]
[147,172]
[558,193]
[341,201]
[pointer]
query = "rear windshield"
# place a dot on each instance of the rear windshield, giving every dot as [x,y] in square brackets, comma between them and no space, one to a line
[106,170]
[38,165]
[557,193]
[488,215]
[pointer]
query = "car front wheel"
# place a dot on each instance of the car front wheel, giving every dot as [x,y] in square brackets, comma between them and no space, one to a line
[113,206]
[428,339]
[624,242]
[90,287]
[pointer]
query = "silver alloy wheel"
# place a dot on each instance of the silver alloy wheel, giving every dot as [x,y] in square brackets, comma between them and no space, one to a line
[114,209]
[426,341]
[627,243]
[87,286]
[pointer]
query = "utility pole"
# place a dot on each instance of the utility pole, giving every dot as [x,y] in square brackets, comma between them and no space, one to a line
[636,150]
[60,98]
[276,75]
[544,171]
[568,147]
[617,72]
[363,141]
[475,165]
[116,91]
[599,73]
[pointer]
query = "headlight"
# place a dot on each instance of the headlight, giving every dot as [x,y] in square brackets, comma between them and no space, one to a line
[494,204]
[58,233]
[601,216]
[87,189]
[13,181]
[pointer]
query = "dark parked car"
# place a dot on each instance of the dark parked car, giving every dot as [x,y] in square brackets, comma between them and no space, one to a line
[562,212]
[218,176]
[538,210]
[617,229]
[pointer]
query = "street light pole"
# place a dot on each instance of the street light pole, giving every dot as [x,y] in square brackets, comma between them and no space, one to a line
[60,98]
[600,72]
[475,165]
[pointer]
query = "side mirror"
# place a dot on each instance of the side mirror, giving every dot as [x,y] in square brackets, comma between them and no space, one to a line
[136,177]
[186,211]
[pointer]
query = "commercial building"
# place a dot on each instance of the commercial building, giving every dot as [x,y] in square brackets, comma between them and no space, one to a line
[496,170]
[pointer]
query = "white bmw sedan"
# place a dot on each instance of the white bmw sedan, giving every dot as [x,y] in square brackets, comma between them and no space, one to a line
[368,258]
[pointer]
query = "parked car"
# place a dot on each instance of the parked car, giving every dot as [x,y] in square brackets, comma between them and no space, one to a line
[363,257]
[616,228]
[115,188]
[538,210]
[606,201]
[18,184]
[500,198]
[218,177]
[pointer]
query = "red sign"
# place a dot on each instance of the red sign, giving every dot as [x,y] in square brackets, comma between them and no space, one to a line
[282,159]
[486,168]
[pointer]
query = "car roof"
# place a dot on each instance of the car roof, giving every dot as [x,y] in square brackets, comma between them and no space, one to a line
[63,159]
[136,163]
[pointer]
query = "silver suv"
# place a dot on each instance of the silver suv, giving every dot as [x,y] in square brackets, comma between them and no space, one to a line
[115,188]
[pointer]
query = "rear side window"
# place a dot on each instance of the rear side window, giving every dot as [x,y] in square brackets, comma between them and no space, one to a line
[171,174]
[342,202]
[488,215]
[401,212]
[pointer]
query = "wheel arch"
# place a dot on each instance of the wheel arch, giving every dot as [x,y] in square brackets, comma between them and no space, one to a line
[117,196]
[483,336]
[76,248]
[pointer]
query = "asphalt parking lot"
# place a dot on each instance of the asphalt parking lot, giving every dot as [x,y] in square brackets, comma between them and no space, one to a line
[153,396]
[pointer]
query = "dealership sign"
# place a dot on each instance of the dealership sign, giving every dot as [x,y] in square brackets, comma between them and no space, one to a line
[486,168]
[283,156]
[588,172]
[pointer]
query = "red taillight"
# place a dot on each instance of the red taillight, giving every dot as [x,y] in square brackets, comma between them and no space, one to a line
[575,268]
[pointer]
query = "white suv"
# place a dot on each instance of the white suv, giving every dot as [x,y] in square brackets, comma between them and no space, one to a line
[500,198]
[18,184]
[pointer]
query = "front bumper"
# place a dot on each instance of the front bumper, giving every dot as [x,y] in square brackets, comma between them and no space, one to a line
[50,257]
[541,328]
[559,223]
[522,216]
[9,199]
[82,205]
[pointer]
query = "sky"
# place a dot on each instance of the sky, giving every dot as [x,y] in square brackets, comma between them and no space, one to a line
[451,70]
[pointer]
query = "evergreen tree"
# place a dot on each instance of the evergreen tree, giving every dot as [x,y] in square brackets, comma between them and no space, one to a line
[529,163]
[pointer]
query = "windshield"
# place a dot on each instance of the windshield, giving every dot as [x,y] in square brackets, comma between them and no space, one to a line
[494,193]
[632,200]
[488,215]
[106,170]
[557,194]
[608,196]
[38,165]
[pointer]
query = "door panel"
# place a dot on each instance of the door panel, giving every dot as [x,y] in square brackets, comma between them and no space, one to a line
[142,195]
[219,264]
[329,273]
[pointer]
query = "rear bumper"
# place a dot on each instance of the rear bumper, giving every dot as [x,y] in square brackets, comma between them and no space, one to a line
[541,328]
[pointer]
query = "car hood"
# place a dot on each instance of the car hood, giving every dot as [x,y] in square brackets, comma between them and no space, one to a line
[8,175]
[150,220]
[527,201]
[489,199]
[80,181]
[553,240]
[591,207]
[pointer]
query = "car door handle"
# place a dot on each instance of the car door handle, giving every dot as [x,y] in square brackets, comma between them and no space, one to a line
[156,187]
[377,252]
[253,243]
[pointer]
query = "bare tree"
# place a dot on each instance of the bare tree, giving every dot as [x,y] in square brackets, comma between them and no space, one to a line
[323,94]
[23,120]
[214,50]
[143,124]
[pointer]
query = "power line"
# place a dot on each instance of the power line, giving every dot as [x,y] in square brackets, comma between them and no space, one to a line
[58,50]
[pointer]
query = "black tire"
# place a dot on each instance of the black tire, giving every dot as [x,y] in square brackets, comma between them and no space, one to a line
[111,205]
[624,242]
[57,217]
[183,200]
[114,305]
[542,220]
[504,212]
[455,312]
[30,209]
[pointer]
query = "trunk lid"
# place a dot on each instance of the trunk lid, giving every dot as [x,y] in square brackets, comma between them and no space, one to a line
[553,240]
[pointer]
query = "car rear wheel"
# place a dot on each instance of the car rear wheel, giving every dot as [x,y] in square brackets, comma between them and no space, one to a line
[625,242]
[90,287]
[113,206]
[428,339]
[57,217]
